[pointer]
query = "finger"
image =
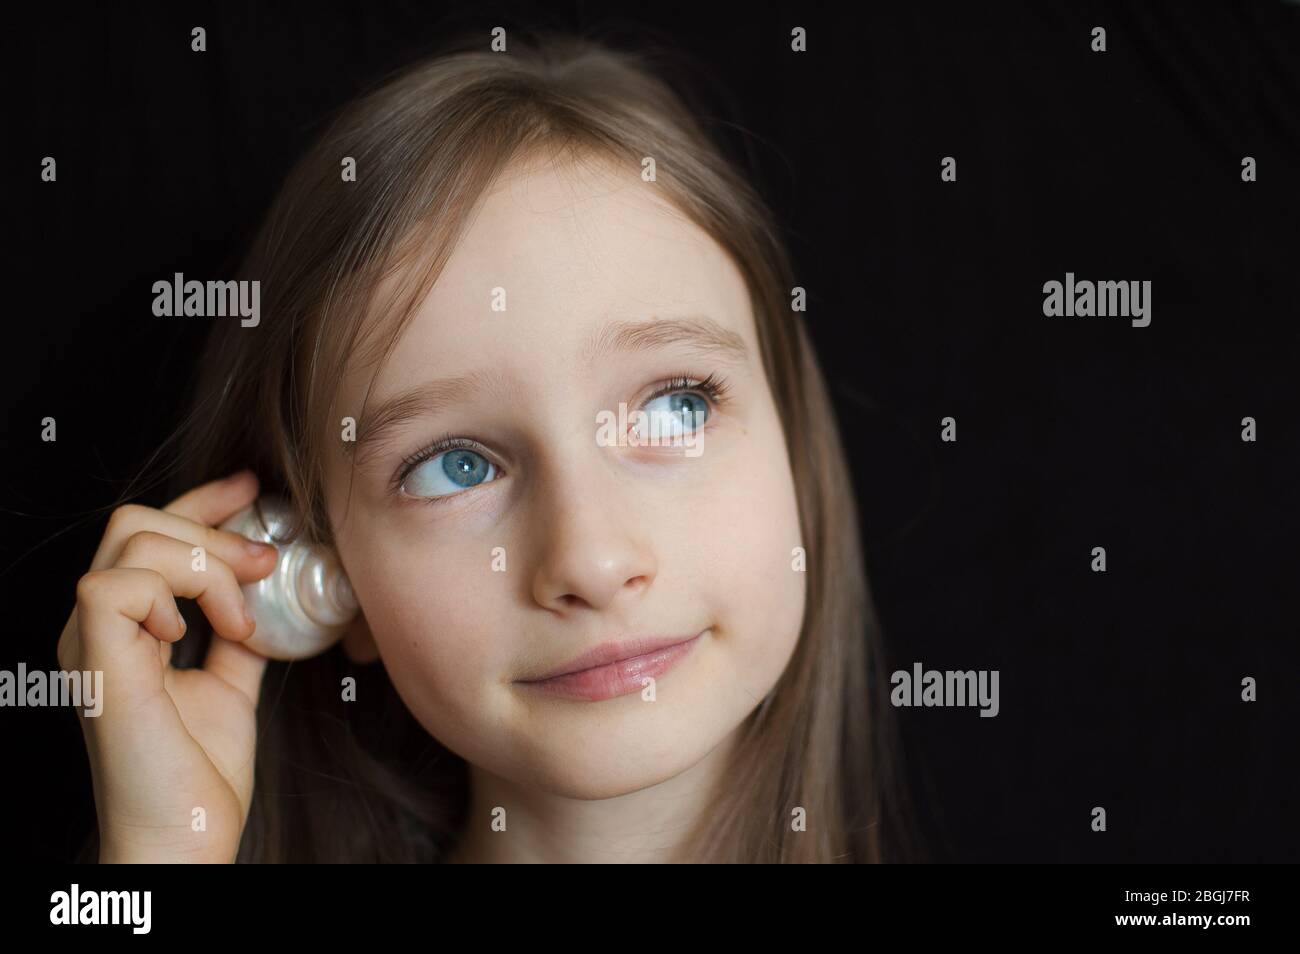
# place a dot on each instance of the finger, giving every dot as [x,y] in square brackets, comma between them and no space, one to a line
[250,559]
[112,607]
[211,582]
[232,547]
[238,665]
[211,503]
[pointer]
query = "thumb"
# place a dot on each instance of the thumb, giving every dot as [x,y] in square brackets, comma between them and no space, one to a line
[236,664]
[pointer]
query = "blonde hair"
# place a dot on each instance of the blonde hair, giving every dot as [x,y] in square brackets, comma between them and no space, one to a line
[366,782]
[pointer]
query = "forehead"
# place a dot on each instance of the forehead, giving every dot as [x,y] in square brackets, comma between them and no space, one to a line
[555,251]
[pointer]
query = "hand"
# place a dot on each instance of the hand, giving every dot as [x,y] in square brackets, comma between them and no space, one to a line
[170,741]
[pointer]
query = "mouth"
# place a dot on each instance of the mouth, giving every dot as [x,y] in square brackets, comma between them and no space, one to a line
[614,668]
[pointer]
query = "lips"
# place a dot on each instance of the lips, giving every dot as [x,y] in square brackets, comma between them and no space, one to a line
[614,668]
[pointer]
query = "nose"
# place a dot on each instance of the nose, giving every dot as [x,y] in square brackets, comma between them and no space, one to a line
[596,547]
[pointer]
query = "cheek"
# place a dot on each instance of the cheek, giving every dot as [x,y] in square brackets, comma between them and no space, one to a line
[756,591]
[431,619]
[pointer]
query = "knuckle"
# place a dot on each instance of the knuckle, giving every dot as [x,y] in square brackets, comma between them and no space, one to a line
[124,516]
[158,582]
[90,586]
[142,541]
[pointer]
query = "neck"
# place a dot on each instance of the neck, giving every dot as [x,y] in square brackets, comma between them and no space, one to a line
[651,825]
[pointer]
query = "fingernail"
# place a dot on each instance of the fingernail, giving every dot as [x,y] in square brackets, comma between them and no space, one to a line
[258,549]
[248,616]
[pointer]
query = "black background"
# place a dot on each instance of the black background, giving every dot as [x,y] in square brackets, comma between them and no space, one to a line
[1119,689]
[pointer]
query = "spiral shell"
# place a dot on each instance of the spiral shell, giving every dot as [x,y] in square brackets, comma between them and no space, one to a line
[304,605]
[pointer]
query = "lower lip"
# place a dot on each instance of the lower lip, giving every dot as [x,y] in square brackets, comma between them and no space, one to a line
[616,678]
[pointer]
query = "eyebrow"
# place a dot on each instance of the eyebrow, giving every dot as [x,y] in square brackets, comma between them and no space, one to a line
[698,333]
[694,331]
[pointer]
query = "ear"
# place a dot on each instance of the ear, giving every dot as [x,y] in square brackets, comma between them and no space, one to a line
[358,643]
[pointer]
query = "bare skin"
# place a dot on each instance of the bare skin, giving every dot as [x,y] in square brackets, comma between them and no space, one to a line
[599,542]
[170,741]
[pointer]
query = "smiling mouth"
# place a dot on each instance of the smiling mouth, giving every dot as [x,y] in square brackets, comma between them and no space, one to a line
[606,677]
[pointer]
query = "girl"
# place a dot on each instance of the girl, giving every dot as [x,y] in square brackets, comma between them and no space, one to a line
[476,263]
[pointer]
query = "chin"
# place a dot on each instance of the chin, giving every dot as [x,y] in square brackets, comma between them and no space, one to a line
[618,763]
[607,781]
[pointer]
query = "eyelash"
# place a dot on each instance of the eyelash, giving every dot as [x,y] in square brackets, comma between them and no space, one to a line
[715,388]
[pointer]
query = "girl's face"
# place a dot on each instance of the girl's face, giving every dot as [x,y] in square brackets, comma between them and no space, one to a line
[550,528]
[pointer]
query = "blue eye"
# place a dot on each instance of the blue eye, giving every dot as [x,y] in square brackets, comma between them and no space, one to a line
[452,465]
[448,473]
[684,412]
